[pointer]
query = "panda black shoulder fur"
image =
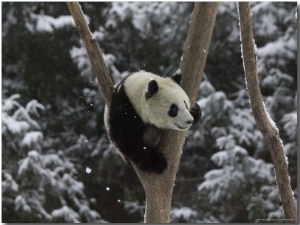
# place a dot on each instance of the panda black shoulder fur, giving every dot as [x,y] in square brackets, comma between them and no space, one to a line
[142,105]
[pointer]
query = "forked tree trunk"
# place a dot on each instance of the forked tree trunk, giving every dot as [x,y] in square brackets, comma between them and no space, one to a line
[159,188]
[263,120]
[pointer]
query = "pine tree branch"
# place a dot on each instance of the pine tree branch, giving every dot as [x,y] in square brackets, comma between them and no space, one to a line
[159,188]
[263,120]
[95,55]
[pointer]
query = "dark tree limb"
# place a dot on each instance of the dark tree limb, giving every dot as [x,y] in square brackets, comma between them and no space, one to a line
[263,120]
[95,55]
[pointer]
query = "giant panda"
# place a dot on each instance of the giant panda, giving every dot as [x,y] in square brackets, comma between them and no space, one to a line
[142,105]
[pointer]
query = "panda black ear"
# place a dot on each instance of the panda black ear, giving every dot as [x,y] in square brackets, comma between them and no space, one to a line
[177,76]
[152,88]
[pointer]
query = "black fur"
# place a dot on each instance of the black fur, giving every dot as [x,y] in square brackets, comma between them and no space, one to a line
[127,132]
[137,141]
[196,113]
[177,76]
[152,89]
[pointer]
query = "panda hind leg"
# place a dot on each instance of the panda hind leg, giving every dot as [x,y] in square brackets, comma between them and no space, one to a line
[151,161]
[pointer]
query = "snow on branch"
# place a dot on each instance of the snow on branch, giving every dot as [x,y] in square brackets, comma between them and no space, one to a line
[264,122]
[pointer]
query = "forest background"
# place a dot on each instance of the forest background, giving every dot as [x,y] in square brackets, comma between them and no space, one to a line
[57,164]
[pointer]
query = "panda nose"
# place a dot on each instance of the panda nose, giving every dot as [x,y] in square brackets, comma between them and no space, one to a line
[189,121]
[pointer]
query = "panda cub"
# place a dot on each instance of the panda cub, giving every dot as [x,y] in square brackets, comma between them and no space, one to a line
[142,105]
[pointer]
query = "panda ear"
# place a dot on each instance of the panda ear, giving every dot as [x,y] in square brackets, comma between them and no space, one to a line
[152,88]
[177,76]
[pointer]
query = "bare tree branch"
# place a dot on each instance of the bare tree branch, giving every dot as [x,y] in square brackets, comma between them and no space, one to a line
[104,79]
[263,120]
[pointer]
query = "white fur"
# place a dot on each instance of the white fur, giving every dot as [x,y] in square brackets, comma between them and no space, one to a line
[155,109]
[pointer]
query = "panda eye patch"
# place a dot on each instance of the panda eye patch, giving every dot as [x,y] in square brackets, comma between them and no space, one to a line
[173,111]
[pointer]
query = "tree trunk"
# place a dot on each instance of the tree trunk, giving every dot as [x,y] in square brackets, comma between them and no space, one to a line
[262,118]
[159,188]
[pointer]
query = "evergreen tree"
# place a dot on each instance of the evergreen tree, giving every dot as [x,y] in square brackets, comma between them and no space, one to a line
[57,163]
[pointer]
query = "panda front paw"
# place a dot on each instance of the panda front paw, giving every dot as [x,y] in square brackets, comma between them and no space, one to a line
[196,113]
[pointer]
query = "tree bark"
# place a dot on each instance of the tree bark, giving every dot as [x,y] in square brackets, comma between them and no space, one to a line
[262,118]
[159,188]
[95,55]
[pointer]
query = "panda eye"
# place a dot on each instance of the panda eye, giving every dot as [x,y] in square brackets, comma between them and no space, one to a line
[173,111]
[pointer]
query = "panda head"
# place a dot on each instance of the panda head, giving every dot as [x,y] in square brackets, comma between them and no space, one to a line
[162,102]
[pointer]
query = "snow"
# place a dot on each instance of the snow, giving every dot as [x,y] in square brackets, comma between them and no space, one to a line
[244,127]
[206,88]
[283,47]
[210,177]
[79,56]
[138,11]
[98,35]
[10,103]
[71,185]
[32,161]
[178,72]
[48,24]
[275,77]
[220,158]
[278,214]
[290,124]
[33,106]
[226,142]
[52,160]
[8,184]
[184,212]
[271,121]
[88,170]
[31,138]
[141,22]
[14,126]
[89,214]
[21,204]
[133,206]
[68,214]
[23,114]
[11,20]
[239,151]
[19,121]
[13,123]
[265,23]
